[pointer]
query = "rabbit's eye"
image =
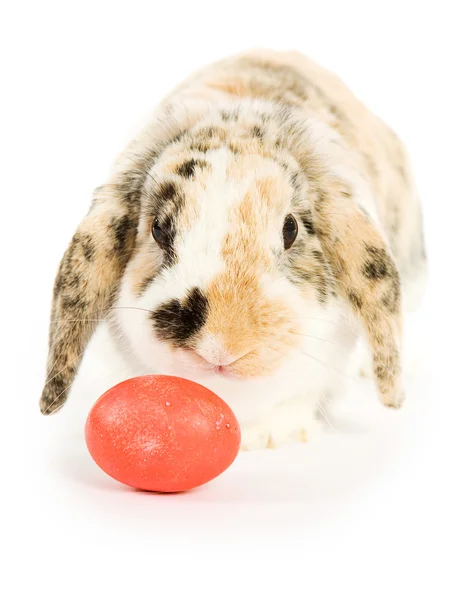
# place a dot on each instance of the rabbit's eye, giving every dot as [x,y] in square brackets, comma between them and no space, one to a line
[157,232]
[289,231]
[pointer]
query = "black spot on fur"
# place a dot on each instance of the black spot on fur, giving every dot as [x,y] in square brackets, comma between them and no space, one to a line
[168,226]
[145,284]
[230,115]
[83,244]
[391,297]
[188,168]
[257,132]
[168,202]
[88,251]
[319,256]
[378,264]
[177,137]
[355,300]
[122,230]
[201,147]
[321,276]
[206,133]
[86,242]
[68,281]
[387,365]
[308,224]
[166,191]
[73,302]
[381,372]
[58,283]
[295,182]
[177,321]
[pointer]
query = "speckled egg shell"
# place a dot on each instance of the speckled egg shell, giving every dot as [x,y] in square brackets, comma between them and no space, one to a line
[162,433]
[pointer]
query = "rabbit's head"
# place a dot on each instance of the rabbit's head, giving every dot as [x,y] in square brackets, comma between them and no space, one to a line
[221,235]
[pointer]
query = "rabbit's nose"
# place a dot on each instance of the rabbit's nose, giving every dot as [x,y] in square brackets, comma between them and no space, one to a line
[213,352]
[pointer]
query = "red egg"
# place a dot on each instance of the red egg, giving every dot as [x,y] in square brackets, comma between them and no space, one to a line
[162,433]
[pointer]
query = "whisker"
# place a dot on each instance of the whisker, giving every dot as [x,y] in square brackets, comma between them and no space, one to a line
[380,364]
[86,320]
[324,413]
[58,398]
[107,310]
[323,320]
[49,372]
[314,337]
[79,321]
[61,370]
[342,373]
[350,327]
[131,308]
[133,363]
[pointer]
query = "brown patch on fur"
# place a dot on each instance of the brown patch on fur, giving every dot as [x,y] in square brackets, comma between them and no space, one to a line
[271,189]
[248,323]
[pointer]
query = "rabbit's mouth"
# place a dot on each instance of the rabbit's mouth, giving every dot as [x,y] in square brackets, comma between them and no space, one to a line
[224,366]
[251,364]
[220,369]
[225,371]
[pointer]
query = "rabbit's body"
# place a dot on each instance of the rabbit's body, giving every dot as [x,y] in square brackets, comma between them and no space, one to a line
[195,228]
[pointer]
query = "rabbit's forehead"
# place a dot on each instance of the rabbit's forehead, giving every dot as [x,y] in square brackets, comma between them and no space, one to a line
[216,191]
[226,212]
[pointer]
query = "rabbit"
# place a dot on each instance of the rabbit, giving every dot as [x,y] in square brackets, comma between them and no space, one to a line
[260,226]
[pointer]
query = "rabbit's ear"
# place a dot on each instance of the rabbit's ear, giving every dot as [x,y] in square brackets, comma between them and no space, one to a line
[369,279]
[93,265]
[85,284]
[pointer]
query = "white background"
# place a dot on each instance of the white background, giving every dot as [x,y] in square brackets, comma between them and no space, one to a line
[374,508]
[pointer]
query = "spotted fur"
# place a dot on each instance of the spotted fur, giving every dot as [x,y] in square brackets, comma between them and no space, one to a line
[226,158]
